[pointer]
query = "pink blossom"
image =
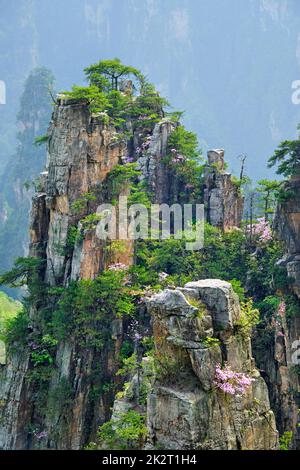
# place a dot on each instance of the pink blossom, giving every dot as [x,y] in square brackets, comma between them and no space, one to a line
[231,382]
[129,160]
[282,308]
[262,229]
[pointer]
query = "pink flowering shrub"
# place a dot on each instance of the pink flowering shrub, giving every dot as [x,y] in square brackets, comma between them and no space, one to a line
[144,146]
[282,308]
[262,230]
[231,382]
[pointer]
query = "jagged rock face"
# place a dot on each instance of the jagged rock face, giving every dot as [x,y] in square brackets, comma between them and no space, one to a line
[160,179]
[82,152]
[222,198]
[283,383]
[185,410]
[275,363]
[287,227]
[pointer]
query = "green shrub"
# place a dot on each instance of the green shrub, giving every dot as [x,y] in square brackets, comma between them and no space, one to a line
[127,431]
[285,441]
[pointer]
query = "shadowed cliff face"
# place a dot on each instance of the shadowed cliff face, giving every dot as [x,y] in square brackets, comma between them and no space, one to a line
[280,371]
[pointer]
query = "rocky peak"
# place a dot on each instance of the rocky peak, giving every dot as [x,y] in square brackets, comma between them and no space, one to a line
[195,329]
[223,201]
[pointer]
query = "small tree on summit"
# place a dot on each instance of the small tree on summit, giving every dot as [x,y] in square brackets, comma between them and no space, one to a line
[268,190]
[108,73]
[287,156]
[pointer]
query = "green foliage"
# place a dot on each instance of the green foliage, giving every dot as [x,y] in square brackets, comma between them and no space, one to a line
[268,306]
[185,142]
[17,330]
[107,99]
[200,306]
[87,307]
[129,366]
[209,342]
[292,306]
[27,271]
[43,139]
[127,431]
[121,176]
[224,256]
[238,289]
[9,309]
[101,73]
[285,440]
[72,237]
[285,193]
[90,221]
[98,101]
[287,156]
[248,320]
[81,203]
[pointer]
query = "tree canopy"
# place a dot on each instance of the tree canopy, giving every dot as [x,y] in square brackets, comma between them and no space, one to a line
[287,157]
[108,72]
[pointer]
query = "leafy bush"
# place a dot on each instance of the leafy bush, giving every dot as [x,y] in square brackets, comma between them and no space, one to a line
[285,440]
[127,431]
[248,320]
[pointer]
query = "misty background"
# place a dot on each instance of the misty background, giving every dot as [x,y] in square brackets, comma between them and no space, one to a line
[229,64]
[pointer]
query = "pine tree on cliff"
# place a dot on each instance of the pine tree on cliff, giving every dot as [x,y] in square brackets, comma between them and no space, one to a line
[287,157]
[18,179]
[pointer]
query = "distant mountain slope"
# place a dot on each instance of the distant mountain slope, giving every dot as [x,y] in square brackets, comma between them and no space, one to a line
[228,63]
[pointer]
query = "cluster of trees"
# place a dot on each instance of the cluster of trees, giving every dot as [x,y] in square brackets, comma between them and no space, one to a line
[119,92]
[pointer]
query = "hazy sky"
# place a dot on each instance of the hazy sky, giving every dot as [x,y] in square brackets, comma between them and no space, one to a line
[229,64]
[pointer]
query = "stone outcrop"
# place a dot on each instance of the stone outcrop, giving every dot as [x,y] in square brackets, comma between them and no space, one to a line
[81,153]
[279,368]
[185,409]
[223,201]
[160,179]
[287,227]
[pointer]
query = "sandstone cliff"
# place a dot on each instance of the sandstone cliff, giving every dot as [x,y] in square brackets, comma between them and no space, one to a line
[195,328]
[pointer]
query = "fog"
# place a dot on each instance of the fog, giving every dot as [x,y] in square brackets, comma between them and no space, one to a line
[229,64]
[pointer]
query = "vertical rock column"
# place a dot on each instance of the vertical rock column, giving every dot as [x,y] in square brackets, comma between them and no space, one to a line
[194,330]
[222,198]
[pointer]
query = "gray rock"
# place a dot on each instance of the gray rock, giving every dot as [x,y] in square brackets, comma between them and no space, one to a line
[185,410]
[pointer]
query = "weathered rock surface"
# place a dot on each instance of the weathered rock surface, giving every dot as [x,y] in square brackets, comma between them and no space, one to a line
[81,153]
[279,369]
[185,410]
[223,201]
